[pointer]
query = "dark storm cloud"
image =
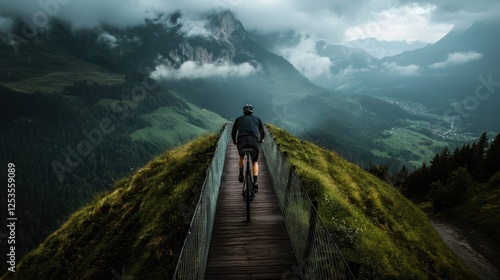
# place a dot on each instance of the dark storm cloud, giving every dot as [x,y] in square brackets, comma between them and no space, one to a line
[326,19]
[91,13]
[461,12]
[5,24]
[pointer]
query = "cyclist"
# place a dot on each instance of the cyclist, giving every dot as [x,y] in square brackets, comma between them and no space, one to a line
[247,132]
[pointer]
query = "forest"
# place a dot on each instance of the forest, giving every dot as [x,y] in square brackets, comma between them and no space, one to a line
[450,176]
[70,147]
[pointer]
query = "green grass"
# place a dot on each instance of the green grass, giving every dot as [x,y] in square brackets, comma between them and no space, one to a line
[372,222]
[171,126]
[136,228]
[408,145]
[56,81]
[48,68]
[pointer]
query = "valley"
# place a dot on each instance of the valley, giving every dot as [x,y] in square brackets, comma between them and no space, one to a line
[442,126]
[191,79]
[416,141]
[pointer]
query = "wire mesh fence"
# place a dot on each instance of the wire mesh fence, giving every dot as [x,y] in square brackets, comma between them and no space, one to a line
[317,254]
[193,257]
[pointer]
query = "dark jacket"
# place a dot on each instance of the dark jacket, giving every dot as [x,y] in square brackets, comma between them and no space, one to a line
[247,128]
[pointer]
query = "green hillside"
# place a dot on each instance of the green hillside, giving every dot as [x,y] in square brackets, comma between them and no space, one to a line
[170,126]
[134,229]
[47,67]
[373,223]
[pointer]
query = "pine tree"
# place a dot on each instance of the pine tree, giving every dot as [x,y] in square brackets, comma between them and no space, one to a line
[418,184]
[454,192]
[477,169]
[400,177]
[492,161]
[441,165]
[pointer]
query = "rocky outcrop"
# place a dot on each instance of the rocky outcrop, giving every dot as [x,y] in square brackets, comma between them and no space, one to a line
[225,27]
[227,35]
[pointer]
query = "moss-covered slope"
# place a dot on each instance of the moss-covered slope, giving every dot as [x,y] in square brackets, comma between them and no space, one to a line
[372,221]
[136,230]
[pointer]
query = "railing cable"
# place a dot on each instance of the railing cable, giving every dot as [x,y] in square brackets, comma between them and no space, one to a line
[194,253]
[317,253]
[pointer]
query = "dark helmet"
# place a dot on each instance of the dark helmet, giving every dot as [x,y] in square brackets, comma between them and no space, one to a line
[248,109]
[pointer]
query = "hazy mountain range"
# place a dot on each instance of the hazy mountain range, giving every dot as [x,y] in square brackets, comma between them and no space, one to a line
[381,49]
[170,79]
[456,77]
[216,64]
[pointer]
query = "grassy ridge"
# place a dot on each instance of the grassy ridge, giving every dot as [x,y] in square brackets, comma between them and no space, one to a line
[372,222]
[48,68]
[405,142]
[171,126]
[136,229]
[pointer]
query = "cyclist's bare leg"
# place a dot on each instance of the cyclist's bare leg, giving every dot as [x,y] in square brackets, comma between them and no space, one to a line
[240,162]
[255,168]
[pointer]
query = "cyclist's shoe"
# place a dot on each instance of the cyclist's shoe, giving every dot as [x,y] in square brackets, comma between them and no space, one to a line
[240,178]
[255,187]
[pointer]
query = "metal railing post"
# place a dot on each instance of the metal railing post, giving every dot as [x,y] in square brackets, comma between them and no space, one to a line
[354,269]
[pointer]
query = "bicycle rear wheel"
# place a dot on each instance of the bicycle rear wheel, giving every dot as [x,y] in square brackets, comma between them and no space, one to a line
[248,182]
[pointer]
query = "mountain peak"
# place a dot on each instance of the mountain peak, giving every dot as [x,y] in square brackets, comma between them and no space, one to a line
[224,26]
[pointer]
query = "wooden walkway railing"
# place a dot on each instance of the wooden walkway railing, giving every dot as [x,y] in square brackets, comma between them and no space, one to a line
[259,249]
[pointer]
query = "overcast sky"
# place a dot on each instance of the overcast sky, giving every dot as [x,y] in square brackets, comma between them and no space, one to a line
[335,21]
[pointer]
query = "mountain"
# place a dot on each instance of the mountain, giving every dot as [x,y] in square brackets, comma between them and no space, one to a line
[136,229]
[454,77]
[344,62]
[381,49]
[81,108]
[205,68]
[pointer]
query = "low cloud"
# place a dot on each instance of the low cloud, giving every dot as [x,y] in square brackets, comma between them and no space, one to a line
[457,58]
[405,70]
[5,24]
[406,22]
[333,21]
[136,40]
[187,26]
[193,28]
[350,70]
[193,70]
[108,40]
[306,59]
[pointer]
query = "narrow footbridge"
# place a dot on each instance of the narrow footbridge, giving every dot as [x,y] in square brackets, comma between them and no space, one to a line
[285,238]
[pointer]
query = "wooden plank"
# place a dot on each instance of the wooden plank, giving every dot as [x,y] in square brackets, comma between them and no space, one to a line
[259,249]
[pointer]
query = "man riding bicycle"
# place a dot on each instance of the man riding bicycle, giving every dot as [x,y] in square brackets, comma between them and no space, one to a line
[247,132]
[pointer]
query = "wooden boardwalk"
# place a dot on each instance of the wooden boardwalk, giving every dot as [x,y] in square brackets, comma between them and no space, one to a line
[259,249]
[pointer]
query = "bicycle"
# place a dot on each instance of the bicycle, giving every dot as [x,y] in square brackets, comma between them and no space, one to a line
[248,192]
